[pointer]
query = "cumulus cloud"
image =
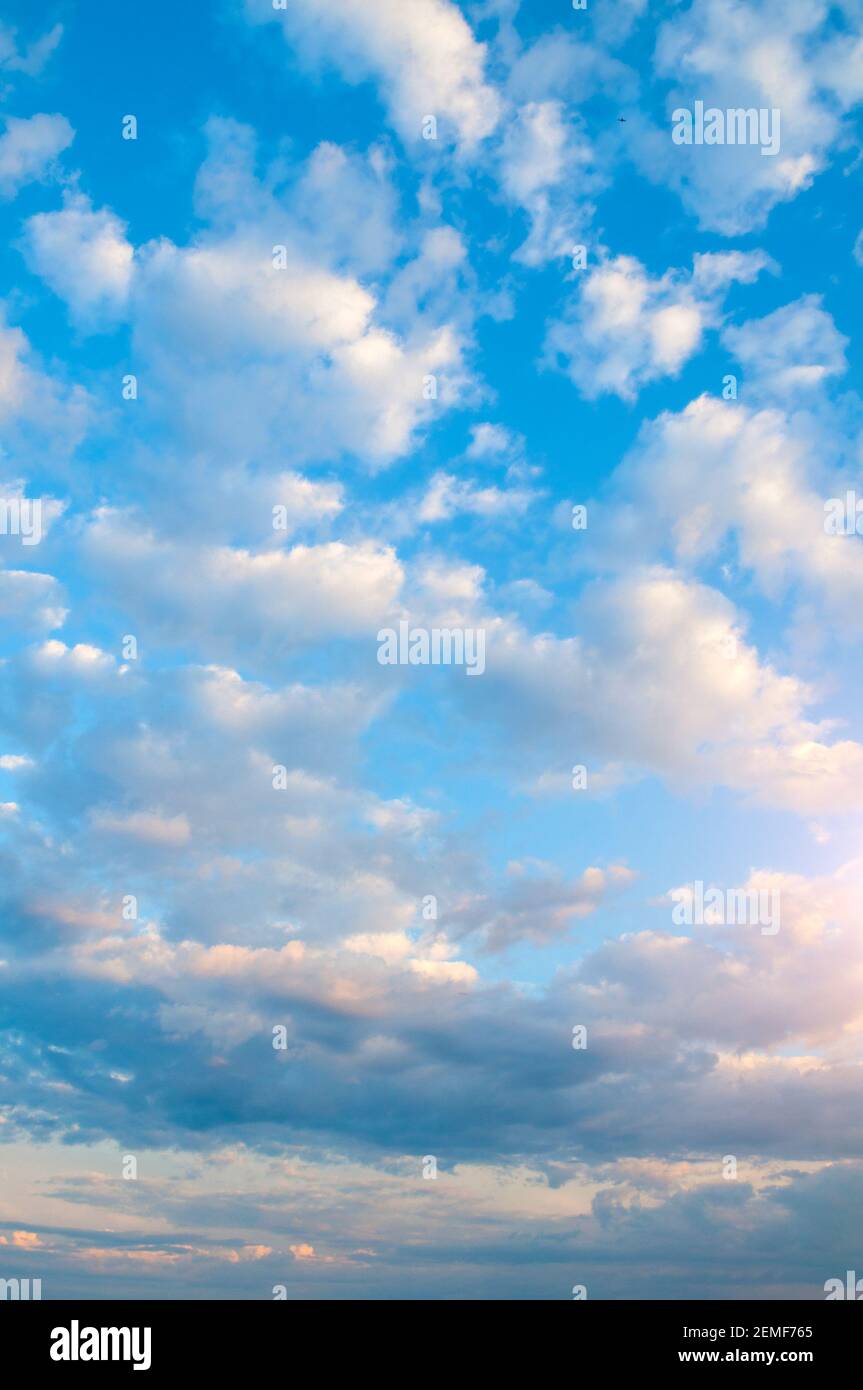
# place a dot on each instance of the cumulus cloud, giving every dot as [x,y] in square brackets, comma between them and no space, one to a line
[296,594]
[624,329]
[424,56]
[35,406]
[31,601]
[29,148]
[662,678]
[13,379]
[83,254]
[246,321]
[447,496]
[548,168]
[80,661]
[489,440]
[761,475]
[791,350]
[271,294]
[338,208]
[777,55]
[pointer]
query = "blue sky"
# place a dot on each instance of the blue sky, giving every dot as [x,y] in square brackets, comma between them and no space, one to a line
[283,262]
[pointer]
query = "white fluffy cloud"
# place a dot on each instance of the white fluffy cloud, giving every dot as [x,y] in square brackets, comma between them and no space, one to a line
[661,678]
[624,329]
[448,496]
[777,54]
[28,149]
[793,350]
[248,327]
[34,404]
[423,54]
[83,254]
[30,601]
[713,471]
[548,169]
[260,300]
[230,596]
[757,472]
[15,382]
